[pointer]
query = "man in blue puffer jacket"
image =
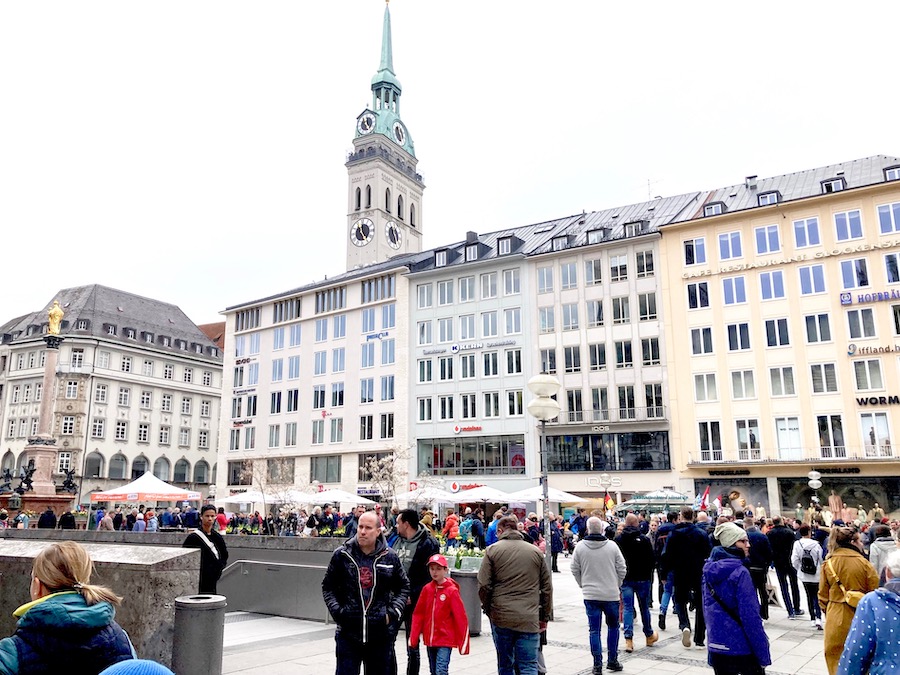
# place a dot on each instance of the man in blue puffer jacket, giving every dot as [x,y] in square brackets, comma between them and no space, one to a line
[736,639]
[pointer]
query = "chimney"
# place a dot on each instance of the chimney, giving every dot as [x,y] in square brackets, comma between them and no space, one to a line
[471,237]
[751,182]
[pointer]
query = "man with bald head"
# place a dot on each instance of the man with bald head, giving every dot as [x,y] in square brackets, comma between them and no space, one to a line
[639,560]
[365,590]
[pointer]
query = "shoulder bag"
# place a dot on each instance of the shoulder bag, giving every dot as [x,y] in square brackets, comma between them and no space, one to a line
[852,598]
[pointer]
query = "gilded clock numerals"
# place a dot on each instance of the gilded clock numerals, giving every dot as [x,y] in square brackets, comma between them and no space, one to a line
[362,231]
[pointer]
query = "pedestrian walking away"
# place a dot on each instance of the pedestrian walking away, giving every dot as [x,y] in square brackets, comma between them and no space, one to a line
[638,553]
[686,552]
[807,561]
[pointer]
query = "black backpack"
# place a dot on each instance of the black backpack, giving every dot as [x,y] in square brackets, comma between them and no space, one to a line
[807,562]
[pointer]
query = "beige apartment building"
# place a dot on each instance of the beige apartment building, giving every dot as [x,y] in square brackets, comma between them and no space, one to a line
[783,295]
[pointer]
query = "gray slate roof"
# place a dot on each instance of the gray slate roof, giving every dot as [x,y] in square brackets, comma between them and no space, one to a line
[102,306]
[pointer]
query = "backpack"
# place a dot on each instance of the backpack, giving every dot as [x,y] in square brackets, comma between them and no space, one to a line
[465,529]
[807,562]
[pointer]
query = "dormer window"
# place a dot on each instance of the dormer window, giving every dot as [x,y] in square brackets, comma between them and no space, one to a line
[471,252]
[440,258]
[81,324]
[130,333]
[31,330]
[714,209]
[832,185]
[166,342]
[213,351]
[595,236]
[560,243]
[636,228]
[198,348]
[110,329]
[504,246]
[892,173]
[148,337]
[182,345]
[767,198]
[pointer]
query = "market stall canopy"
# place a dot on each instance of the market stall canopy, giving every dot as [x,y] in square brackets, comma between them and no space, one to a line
[660,499]
[427,494]
[248,497]
[536,494]
[334,496]
[147,488]
[482,494]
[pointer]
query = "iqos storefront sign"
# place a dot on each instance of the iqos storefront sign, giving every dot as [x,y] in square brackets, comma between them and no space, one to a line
[604,481]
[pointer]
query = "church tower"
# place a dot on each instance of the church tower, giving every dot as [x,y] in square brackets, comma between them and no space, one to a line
[384,214]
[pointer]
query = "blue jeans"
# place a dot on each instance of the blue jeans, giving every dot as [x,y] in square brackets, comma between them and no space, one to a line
[667,595]
[641,589]
[516,651]
[792,601]
[595,610]
[439,660]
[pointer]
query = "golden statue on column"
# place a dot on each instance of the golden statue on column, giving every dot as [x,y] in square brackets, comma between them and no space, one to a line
[55,315]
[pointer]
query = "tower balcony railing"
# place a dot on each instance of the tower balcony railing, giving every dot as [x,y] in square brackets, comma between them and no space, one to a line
[607,415]
[878,452]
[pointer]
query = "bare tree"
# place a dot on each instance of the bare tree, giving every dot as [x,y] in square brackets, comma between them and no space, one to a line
[388,472]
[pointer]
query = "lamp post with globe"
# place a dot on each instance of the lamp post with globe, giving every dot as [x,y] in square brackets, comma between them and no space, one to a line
[544,408]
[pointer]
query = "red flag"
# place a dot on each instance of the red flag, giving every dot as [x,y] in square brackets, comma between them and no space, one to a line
[704,500]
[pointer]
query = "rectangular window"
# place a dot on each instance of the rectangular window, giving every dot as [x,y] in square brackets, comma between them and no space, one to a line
[424,293]
[568,275]
[387,387]
[618,267]
[98,428]
[598,356]
[695,251]
[290,435]
[488,285]
[705,387]
[777,333]
[594,313]
[368,319]
[490,360]
[877,433]
[824,378]
[806,232]
[275,403]
[425,370]
[572,359]
[644,264]
[278,339]
[624,358]
[515,403]
[146,399]
[504,246]
[574,405]
[188,375]
[782,381]
[121,430]
[100,393]
[512,319]
[545,279]
[593,271]
[68,425]
[467,289]
[647,306]
[489,326]
[710,442]
[854,273]
[445,368]
[293,400]
[701,341]
[367,390]
[318,432]
[445,403]
[367,354]
[72,389]
[621,310]
[831,436]
[653,398]
[818,328]
[143,433]
[339,326]
[650,351]
[698,295]
[166,404]
[274,435]
[734,291]
[511,284]
[445,330]
[387,425]
[321,330]
[771,285]
[338,360]
[467,406]
[848,225]
[124,396]
[337,394]
[440,258]
[295,335]
[892,267]
[730,245]
[492,404]
[425,411]
[168,372]
[424,332]
[513,361]
[626,403]
[570,316]
[318,396]
[868,374]
[787,435]
[767,240]
[548,361]
[467,327]
[747,439]
[445,292]
[126,364]
[738,336]
[742,384]
[812,279]
[388,352]
[320,363]
[861,323]
[889,218]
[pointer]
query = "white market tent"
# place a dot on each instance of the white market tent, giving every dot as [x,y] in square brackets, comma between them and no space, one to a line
[426,494]
[334,496]
[536,494]
[147,488]
[484,493]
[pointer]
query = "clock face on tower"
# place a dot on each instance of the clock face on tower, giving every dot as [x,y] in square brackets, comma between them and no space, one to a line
[399,133]
[394,235]
[362,231]
[366,123]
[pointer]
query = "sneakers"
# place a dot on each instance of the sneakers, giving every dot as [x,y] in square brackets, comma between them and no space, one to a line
[615,666]
[799,612]
[818,623]
[686,637]
[598,670]
[793,617]
[662,621]
[629,645]
[652,639]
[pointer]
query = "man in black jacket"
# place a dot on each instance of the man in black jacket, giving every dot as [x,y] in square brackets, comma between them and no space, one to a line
[414,546]
[213,552]
[759,559]
[686,552]
[47,520]
[782,539]
[638,552]
[365,590]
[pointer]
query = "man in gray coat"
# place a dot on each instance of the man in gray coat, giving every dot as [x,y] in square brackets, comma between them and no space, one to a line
[599,568]
[517,595]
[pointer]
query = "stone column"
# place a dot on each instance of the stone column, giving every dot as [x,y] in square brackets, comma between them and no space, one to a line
[42,448]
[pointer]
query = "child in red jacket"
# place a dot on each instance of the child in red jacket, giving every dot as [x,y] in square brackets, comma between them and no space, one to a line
[440,618]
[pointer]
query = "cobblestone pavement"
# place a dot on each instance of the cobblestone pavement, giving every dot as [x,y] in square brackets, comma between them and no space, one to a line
[261,645]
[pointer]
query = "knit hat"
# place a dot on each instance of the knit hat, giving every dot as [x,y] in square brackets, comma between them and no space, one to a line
[728,534]
[137,667]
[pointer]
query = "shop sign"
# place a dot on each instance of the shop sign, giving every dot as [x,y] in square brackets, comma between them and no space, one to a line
[854,350]
[458,429]
[729,472]
[603,481]
[377,336]
[879,400]
[600,428]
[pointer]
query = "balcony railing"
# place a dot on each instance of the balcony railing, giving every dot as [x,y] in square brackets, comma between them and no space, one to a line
[830,453]
[607,415]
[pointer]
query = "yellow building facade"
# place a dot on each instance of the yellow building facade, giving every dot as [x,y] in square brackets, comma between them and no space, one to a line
[782,310]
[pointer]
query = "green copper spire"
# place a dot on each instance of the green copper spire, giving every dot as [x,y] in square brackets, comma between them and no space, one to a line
[385,74]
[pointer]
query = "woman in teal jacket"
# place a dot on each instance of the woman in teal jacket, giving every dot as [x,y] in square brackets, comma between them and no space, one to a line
[69,626]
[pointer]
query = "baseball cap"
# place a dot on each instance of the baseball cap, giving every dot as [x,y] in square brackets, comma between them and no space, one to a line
[438,559]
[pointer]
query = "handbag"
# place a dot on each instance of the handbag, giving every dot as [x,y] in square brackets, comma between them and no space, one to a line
[852,598]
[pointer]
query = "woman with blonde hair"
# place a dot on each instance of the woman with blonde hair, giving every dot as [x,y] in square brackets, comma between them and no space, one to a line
[844,573]
[69,625]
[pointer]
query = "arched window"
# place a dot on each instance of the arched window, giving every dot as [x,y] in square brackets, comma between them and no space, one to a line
[139,467]
[358,199]
[21,460]
[214,471]
[387,199]
[9,461]
[117,466]
[93,466]
[412,215]
[400,207]
[182,471]
[161,468]
[201,472]
[368,196]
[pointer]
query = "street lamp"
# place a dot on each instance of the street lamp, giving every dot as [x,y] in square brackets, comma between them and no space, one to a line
[544,408]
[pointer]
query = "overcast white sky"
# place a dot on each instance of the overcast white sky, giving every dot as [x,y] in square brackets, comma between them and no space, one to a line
[194,152]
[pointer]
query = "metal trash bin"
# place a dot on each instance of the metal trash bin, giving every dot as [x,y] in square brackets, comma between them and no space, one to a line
[468,591]
[199,620]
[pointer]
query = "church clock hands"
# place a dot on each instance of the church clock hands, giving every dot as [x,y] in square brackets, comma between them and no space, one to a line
[366,123]
[394,235]
[362,231]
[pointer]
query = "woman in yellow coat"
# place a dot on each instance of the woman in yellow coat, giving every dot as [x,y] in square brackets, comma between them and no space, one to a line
[845,563]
